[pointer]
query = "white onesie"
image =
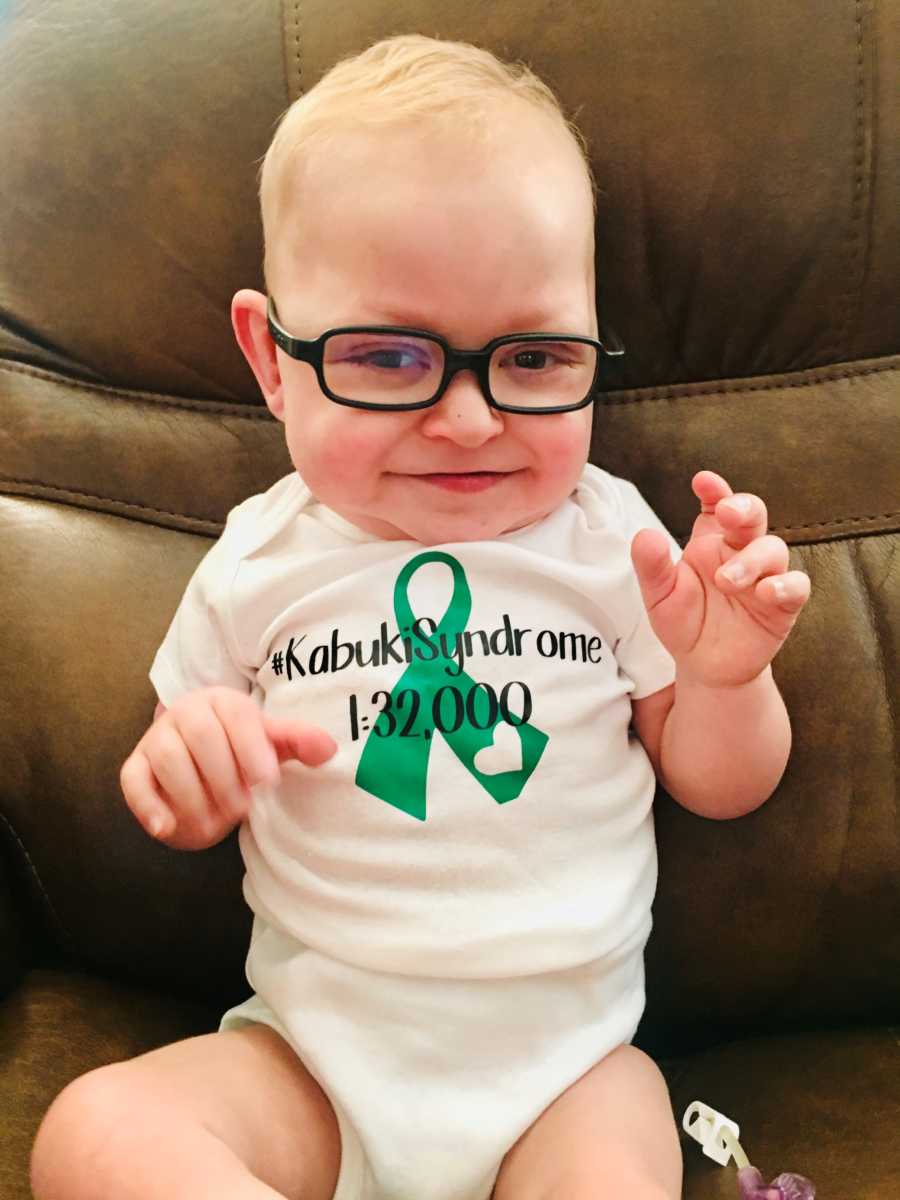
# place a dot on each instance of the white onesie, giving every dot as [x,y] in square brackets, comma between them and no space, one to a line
[450,914]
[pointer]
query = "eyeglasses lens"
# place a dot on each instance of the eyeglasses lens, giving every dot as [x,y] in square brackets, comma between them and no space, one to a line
[398,369]
[375,368]
[537,374]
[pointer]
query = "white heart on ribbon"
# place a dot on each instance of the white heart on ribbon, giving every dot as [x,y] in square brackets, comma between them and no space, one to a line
[505,754]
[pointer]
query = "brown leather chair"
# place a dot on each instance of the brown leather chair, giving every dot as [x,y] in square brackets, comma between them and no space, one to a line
[748,161]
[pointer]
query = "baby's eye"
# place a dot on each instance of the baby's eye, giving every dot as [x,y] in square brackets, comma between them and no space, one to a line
[532,360]
[393,358]
[381,355]
[540,358]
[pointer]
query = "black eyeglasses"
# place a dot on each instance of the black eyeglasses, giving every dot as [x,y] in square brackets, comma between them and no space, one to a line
[389,368]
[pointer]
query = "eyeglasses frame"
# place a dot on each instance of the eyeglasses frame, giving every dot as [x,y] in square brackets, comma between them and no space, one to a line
[477,361]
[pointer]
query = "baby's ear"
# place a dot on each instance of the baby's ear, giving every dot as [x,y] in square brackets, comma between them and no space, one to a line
[248,319]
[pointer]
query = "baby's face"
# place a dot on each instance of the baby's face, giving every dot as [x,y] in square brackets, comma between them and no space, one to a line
[417,232]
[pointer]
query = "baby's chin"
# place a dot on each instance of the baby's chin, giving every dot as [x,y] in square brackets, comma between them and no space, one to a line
[463,520]
[430,531]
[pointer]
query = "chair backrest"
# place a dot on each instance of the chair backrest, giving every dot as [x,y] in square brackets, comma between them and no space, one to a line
[748,251]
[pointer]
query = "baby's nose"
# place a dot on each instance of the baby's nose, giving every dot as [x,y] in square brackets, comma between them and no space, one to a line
[462,414]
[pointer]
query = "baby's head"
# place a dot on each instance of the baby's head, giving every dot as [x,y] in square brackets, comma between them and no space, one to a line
[425,185]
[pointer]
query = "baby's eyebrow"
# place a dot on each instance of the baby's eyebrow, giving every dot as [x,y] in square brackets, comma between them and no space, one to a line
[520,321]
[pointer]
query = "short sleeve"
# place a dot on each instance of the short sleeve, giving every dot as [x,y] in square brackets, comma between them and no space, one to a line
[197,650]
[642,657]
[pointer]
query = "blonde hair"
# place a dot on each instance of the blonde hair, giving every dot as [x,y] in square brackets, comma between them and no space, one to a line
[394,82]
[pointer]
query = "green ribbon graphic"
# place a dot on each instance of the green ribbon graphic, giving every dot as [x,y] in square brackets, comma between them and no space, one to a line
[394,762]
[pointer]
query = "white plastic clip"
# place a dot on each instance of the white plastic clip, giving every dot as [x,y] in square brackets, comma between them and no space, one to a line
[707,1130]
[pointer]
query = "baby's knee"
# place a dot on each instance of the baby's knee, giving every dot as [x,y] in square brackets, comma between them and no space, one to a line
[78,1131]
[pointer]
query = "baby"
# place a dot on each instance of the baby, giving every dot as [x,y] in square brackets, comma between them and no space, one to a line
[432,675]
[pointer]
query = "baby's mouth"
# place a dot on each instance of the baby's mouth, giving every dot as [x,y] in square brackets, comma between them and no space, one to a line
[464,481]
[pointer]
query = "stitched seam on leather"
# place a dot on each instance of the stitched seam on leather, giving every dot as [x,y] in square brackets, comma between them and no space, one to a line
[165,512]
[77,493]
[671,391]
[298,66]
[686,391]
[62,932]
[854,257]
[841,521]
[214,407]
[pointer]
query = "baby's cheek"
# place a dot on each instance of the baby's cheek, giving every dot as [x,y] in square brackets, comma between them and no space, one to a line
[348,457]
[563,442]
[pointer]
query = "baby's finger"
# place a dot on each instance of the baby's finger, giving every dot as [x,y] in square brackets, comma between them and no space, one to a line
[210,747]
[296,740]
[764,556]
[789,591]
[742,518]
[176,774]
[141,792]
[652,561]
[709,488]
[242,721]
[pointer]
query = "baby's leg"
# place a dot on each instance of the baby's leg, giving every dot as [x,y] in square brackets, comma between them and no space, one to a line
[233,1115]
[610,1136]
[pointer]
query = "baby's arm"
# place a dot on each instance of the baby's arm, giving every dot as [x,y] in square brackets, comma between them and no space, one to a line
[188,779]
[719,738]
[719,752]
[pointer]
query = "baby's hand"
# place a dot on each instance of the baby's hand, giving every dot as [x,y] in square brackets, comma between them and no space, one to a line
[188,779]
[725,608]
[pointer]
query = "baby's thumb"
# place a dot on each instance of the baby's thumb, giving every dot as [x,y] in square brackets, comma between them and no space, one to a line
[653,566]
[296,740]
